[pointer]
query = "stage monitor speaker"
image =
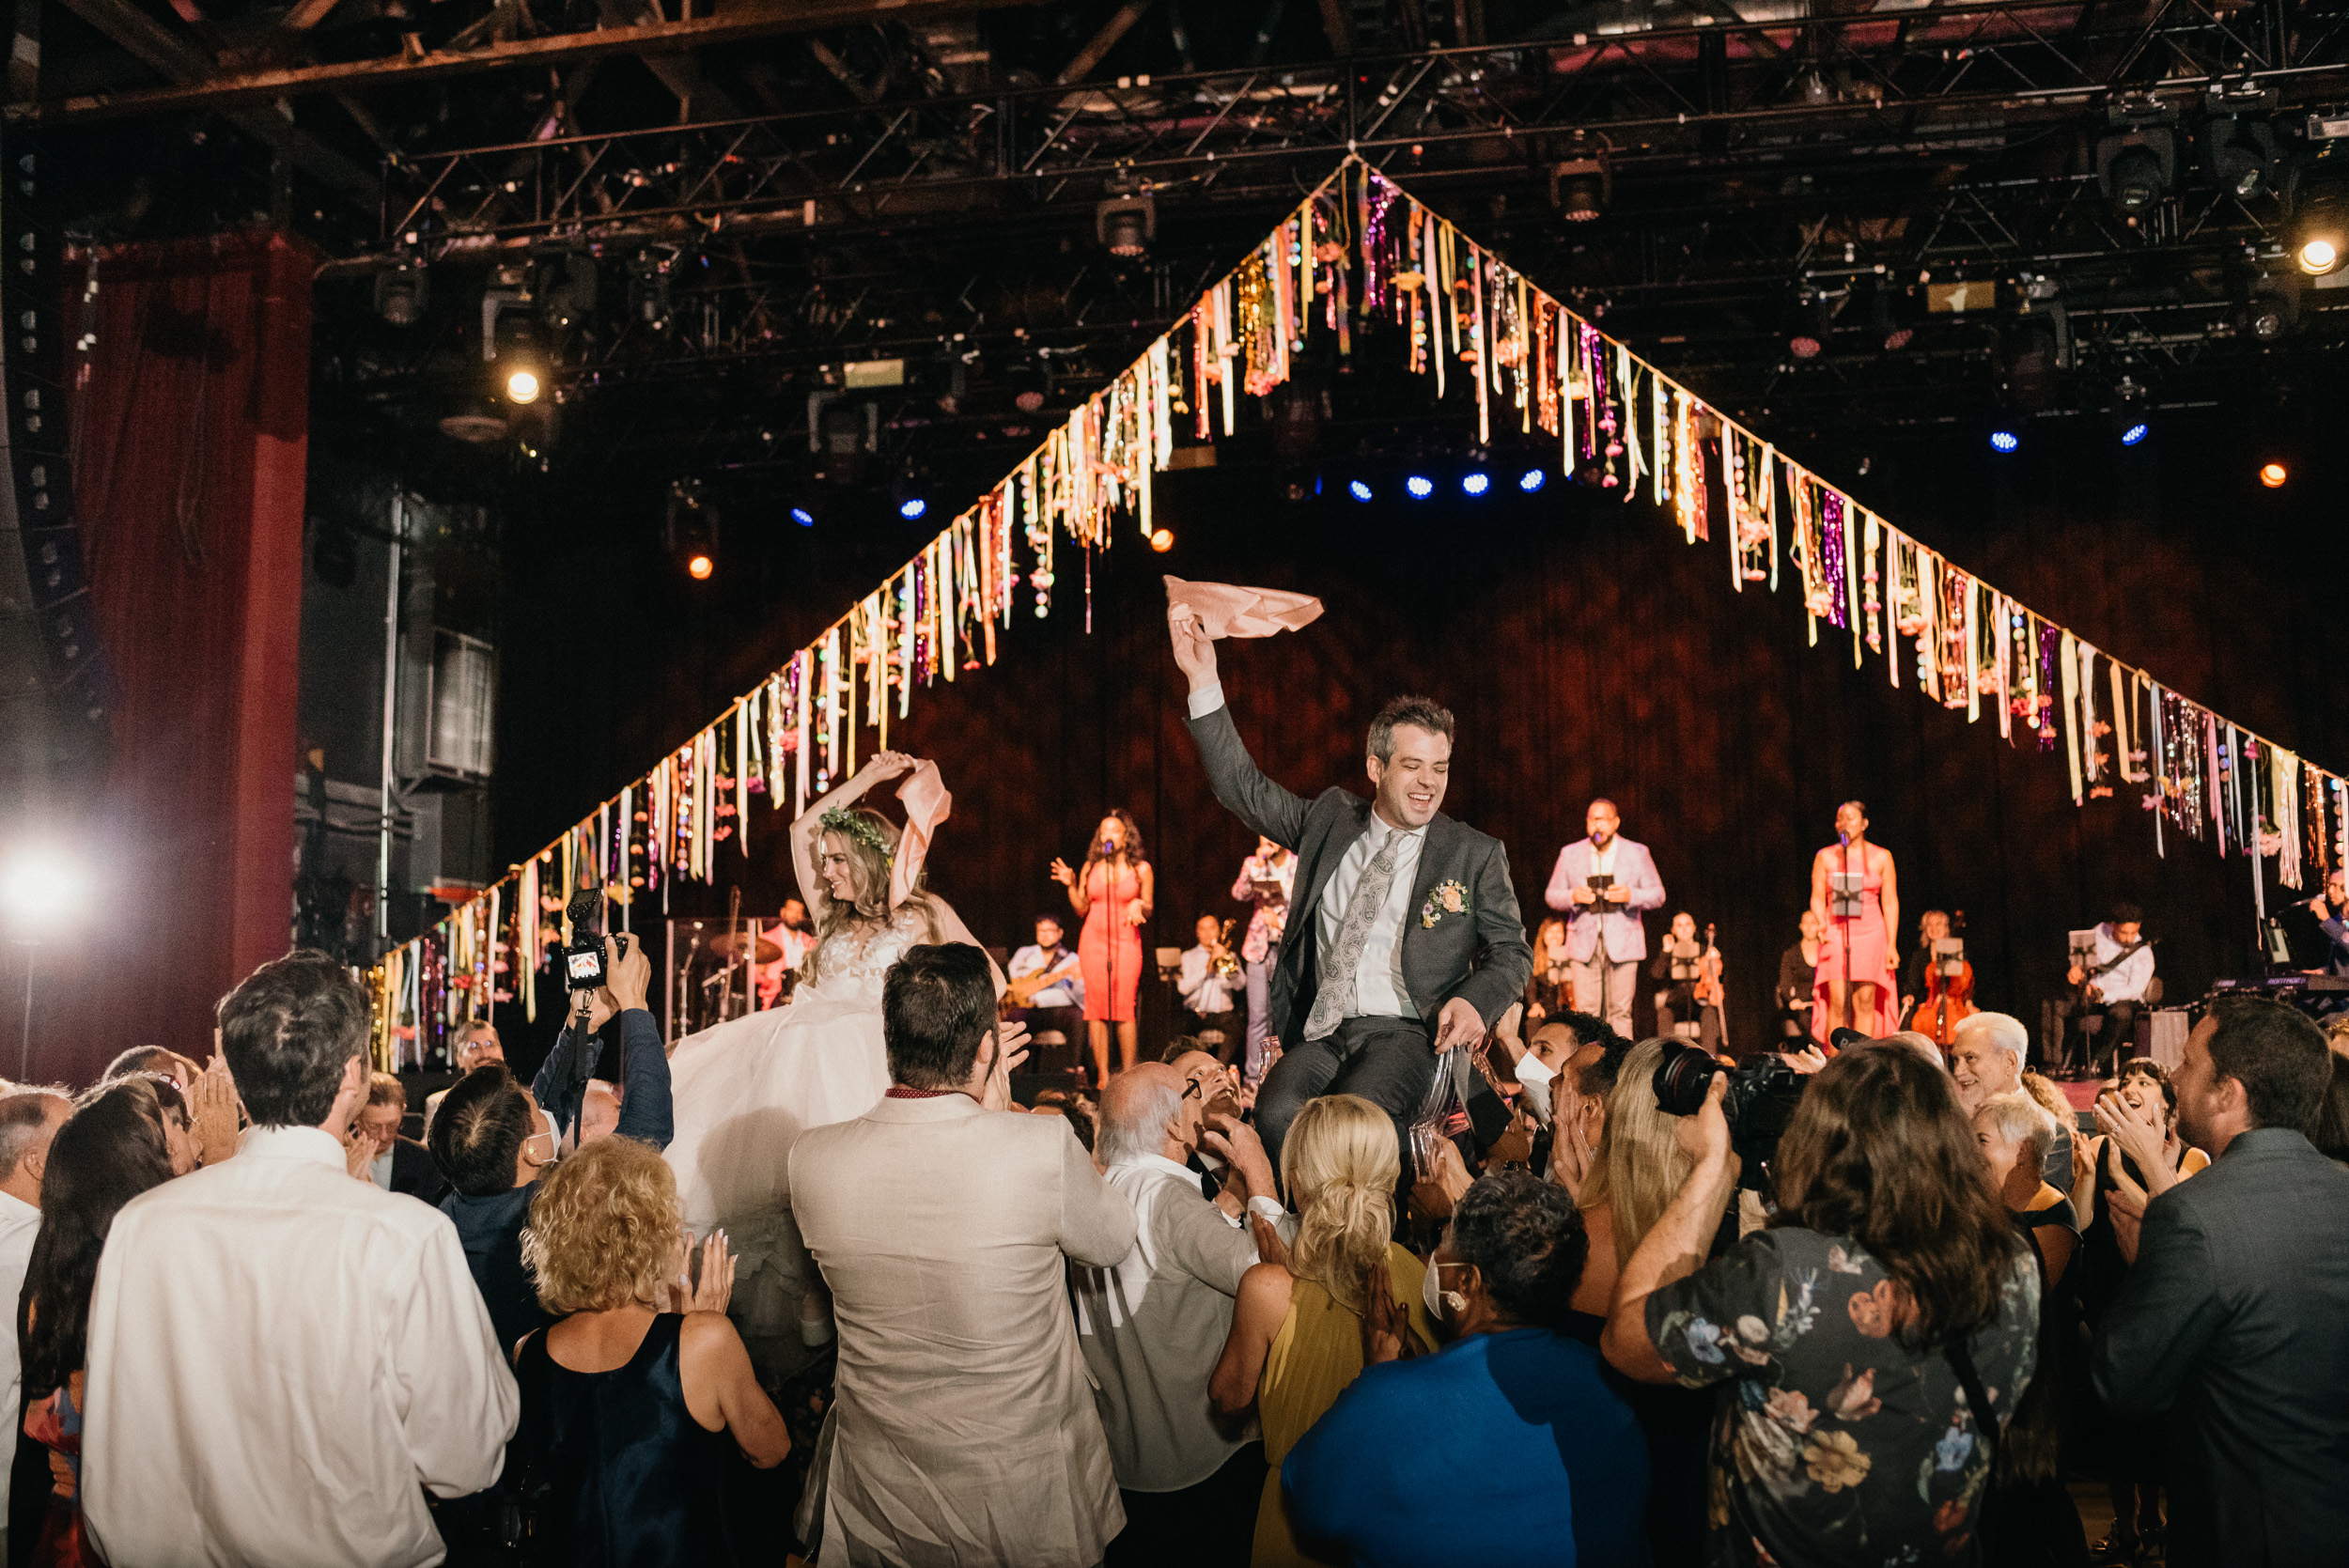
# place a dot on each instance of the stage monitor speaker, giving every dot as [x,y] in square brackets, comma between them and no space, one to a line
[55,695]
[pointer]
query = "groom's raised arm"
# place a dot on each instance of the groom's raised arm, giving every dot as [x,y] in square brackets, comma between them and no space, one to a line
[1246,793]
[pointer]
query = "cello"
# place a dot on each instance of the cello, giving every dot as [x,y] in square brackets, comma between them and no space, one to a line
[1949,997]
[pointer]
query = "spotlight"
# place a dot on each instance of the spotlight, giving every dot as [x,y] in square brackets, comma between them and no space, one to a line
[1812,323]
[912,509]
[1162,541]
[1581,187]
[1886,321]
[700,567]
[1359,489]
[649,288]
[2136,168]
[401,292]
[2005,441]
[1532,480]
[2319,256]
[1126,224]
[801,516]
[2239,155]
[2272,307]
[2273,475]
[2135,433]
[37,886]
[2130,415]
[1475,484]
[522,386]
[1419,487]
[691,528]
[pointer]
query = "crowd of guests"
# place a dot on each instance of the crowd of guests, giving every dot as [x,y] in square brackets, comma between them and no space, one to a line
[256,1324]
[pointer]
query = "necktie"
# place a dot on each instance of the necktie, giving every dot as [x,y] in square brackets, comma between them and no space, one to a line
[1335,999]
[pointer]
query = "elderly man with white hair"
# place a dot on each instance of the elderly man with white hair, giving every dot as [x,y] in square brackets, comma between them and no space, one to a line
[1986,1060]
[1152,1324]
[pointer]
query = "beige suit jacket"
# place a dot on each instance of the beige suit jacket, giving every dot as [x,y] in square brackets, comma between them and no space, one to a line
[963,1428]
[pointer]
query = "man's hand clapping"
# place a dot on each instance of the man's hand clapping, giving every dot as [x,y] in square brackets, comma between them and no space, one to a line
[1011,1049]
[215,1106]
[1387,1334]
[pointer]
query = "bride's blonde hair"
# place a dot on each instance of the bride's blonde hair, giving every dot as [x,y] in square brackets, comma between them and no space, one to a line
[1340,1164]
[870,841]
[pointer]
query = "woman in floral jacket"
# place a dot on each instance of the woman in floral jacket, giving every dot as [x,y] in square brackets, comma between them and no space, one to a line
[1845,1336]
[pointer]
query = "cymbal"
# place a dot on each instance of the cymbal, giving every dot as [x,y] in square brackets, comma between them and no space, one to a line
[730,947]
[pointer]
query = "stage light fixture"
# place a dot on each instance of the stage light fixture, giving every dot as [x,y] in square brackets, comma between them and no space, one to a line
[2273,475]
[1532,480]
[1887,313]
[38,886]
[2005,441]
[700,567]
[912,507]
[1581,187]
[1359,489]
[2135,167]
[2318,256]
[2135,433]
[402,290]
[2239,155]
[522,386]
[2272,308]
[1419,487]
[1475,484]
[1162,541]
[1126,224]
[801,516]
[2317,193]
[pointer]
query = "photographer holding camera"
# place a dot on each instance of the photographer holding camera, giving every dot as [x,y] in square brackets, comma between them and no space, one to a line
[1863,1328]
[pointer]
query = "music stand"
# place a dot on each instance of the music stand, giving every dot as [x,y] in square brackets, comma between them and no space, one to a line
[1843,894]
[1949,956]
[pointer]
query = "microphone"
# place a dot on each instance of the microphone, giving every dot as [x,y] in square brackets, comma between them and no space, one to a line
[1843,839]
[1109,847]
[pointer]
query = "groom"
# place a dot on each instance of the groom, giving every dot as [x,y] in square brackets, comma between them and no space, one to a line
[1404,938]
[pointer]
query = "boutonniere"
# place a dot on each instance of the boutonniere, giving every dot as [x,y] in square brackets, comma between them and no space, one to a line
[1449,898]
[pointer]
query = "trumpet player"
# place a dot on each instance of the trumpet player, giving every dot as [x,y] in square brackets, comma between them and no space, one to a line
[1209,978]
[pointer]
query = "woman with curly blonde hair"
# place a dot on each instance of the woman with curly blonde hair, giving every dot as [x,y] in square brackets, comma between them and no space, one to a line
[748,1088]
[629,1401]
[1297,1329]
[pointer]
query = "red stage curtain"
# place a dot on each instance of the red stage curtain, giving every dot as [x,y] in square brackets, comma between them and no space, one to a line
[191,438]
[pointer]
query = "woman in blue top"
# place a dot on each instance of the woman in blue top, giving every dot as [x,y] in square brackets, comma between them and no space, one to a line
[1506,1448]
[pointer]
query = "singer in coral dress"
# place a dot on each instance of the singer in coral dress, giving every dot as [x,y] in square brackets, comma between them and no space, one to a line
[1113,893]
[1874,993]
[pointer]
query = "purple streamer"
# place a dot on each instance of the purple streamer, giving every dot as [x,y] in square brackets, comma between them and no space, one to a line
[1831,557]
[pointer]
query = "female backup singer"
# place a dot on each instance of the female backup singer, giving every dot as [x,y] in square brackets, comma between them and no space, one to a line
[746,1089]
[1115,893]
[1854,987]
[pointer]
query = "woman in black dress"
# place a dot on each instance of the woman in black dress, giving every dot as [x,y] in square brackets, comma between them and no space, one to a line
[2142,1108]
[630,1410]
[1798,971]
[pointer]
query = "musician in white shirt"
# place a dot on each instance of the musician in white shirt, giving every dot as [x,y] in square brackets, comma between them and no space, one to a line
[281,1359]
[2118,973]
[1206,989]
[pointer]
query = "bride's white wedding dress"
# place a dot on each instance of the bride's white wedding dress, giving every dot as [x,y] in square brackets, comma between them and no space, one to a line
[746,1089]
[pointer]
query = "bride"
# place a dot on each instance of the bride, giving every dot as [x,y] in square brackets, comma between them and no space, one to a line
[747,1088]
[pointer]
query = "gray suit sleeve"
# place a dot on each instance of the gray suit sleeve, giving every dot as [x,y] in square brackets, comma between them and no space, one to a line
[2166,1314]
[1505,962]
[1243,787]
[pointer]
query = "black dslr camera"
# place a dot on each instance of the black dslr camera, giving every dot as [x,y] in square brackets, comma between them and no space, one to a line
[1760,1102]
[583,960]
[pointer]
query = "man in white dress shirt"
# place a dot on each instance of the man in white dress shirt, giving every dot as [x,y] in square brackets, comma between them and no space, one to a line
[1606,939]
[963,1432]
[2111,990]
[281,1359]
[1153,1325]
[1207,991]
[28,1121]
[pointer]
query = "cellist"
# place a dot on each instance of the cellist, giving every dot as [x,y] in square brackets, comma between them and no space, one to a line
[1932,999]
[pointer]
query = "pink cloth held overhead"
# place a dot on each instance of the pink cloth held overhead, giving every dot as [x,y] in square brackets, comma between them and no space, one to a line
[926,802]
[1226,611]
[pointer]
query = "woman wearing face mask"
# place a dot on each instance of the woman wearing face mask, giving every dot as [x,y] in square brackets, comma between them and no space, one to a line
[1298,1332]
[491,1142]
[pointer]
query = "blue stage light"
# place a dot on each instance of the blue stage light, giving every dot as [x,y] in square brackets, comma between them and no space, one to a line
[1359,489]
[2005,441]
[2135,433]
[1532,480]
[1420,486]
[801,516]
[911,510]
[1475,484]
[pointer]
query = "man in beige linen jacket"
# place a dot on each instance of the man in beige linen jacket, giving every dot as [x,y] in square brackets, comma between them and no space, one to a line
[963,1431]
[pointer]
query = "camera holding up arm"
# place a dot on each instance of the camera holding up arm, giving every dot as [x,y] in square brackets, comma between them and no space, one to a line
[584,967]
[1760,1102]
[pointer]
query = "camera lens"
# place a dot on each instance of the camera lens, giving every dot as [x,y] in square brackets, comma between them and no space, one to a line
[1681,1079]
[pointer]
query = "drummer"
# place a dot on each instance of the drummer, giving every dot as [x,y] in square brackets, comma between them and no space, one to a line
[790,937]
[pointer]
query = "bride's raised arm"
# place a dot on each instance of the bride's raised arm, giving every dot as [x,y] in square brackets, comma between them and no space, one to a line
[926,803]
[807,828]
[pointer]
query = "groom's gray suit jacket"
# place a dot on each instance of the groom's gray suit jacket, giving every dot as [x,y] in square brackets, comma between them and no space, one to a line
[1478,953]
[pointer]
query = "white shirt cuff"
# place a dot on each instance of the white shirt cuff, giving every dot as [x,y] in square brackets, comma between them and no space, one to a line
[1207,700]
[1270,1209]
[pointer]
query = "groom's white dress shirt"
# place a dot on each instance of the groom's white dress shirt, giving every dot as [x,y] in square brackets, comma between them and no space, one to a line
[281,1360]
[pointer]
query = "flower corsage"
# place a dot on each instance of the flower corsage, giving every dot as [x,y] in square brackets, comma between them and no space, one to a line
[1449,898]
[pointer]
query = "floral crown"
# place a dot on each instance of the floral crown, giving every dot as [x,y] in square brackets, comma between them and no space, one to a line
[850,824]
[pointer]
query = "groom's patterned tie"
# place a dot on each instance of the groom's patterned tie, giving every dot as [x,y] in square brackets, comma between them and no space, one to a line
[1335,998]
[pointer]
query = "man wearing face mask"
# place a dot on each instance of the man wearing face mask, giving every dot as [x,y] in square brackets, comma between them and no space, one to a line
[1515,1432]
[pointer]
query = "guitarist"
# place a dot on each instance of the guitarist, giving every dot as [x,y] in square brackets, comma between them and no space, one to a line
[2112,984]
[1045,989]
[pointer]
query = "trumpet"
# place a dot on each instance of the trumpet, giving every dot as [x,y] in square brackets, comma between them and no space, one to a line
[1227,957]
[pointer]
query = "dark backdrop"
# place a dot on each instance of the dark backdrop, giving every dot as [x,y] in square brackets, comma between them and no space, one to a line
[1585,649]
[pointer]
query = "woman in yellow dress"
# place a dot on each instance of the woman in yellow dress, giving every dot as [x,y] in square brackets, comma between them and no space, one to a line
[1297,1330]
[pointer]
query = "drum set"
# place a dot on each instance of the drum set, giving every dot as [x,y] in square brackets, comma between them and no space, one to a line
[723,974]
